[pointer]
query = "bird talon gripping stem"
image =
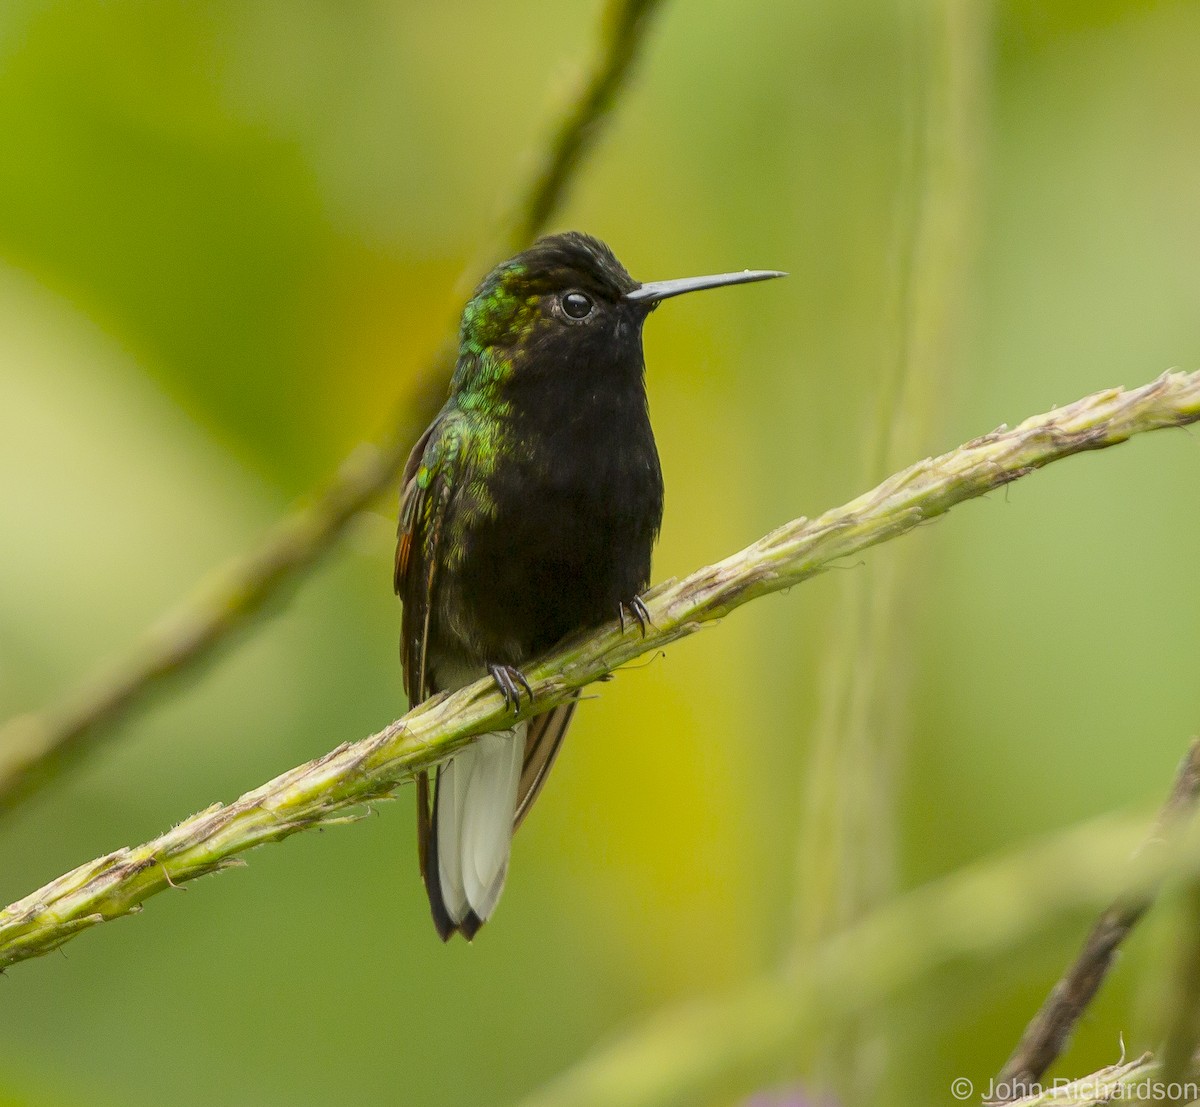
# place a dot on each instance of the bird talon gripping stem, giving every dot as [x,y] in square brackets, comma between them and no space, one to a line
[637,609]
[641,614]
[510,681]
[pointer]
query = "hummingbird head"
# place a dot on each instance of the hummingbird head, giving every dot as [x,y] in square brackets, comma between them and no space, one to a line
[565,306]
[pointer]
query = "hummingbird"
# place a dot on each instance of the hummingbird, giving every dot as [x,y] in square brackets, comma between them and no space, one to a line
[529,509]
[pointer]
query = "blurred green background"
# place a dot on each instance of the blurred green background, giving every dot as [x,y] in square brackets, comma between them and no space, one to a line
[229,237]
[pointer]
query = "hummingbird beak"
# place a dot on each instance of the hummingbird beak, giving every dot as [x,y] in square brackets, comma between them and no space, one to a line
[655,291]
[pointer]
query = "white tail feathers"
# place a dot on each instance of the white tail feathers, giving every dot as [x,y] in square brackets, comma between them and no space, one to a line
[476,800]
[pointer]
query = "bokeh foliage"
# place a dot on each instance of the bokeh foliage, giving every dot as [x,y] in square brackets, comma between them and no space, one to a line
[228,239]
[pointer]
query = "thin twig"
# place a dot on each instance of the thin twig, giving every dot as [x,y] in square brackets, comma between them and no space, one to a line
[1048,1032]
[353,774]
[33,747]
[624,29]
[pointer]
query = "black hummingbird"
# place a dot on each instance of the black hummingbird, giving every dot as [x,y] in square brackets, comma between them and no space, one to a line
[529,510]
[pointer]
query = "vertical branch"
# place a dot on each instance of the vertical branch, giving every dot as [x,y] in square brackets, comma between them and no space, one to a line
[845,858]
[927,302]
[33,748]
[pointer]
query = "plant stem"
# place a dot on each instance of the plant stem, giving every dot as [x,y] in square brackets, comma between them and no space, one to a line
[354,774]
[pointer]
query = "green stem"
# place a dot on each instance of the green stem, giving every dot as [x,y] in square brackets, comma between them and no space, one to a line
[34,747]
[845,859]
[317,792]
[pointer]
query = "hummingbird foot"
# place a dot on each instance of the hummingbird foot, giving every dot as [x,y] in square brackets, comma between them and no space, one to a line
[638,611]
[510,680]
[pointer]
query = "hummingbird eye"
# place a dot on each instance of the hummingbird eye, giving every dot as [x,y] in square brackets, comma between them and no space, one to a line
[576,305]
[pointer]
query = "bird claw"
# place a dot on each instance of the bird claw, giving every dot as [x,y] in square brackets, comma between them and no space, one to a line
[510,681]
[637,609]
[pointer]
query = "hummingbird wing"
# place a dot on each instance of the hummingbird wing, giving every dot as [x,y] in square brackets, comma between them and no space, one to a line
[428,484]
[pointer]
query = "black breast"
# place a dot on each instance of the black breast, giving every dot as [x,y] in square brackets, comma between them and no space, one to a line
[578,503]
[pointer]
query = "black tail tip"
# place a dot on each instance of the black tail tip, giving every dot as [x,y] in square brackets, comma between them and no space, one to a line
[444,926]
[447,927]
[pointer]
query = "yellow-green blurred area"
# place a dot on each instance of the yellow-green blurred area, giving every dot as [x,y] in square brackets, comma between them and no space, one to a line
[229,239]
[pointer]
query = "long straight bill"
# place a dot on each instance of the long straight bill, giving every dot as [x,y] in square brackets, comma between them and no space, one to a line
[655,291]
